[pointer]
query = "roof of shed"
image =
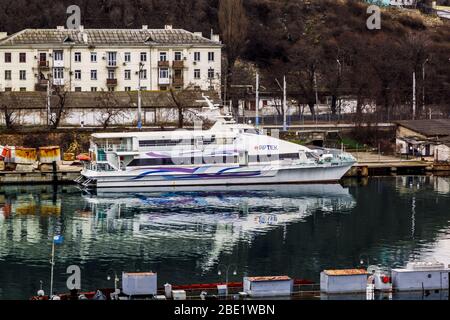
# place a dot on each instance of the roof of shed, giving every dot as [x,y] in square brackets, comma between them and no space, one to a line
[349,272]
[428,128]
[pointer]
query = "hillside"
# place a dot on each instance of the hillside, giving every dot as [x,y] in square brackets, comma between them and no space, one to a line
[302,39]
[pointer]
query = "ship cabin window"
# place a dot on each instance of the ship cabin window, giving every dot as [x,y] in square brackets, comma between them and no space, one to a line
[114,144]
[274,157]
[184,161]
[165,143]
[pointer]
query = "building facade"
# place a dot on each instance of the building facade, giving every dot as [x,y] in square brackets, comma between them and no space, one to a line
[109,60]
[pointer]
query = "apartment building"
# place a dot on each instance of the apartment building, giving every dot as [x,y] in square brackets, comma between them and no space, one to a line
[84,60]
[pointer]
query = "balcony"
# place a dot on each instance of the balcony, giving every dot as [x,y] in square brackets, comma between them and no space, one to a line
[44,65]
[178,64]
[178,82]
[58,82]
[111,82]
[111,64]
[164,81]
[58,63]
[163,64]
[41,85]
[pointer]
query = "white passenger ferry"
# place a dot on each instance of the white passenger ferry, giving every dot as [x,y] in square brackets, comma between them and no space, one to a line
[227,154]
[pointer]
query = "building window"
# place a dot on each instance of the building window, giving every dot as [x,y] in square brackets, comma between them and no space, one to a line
[77,74]
[143,56]
[111,74]
[7,57]
[163,88]
[58,55]
[23,89]
[8,89]
[111,89]
[143,88]
[127,74]
[22,57]
[127,57]
[197,74]
[77,56]
[211,73]
[94,57]
[93,74]
[210,56]
[143,74]
[163,56]
[7,74]
[77,89]
[93,89]
[164,73]
[23,75]
[178,56]
[197,56]
[112,59]
[58,73]
[127,89]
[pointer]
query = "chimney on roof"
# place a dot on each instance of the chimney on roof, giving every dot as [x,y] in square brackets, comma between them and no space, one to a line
[200,34]
[3,35]
[215,37]
[168,27]
[145,27]
[81,28]
[60,28]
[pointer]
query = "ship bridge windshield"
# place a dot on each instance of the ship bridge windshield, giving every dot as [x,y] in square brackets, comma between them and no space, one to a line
[114,144]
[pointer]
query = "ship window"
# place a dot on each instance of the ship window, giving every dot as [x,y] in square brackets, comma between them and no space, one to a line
[293,156]
[273,157]
[162,143]
[183,161]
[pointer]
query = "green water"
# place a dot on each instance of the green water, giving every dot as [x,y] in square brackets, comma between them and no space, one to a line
[187,236]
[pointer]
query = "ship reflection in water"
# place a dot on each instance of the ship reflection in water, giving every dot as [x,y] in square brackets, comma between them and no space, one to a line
[184,235]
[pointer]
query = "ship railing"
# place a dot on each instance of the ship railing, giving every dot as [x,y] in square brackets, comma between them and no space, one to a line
[99,167]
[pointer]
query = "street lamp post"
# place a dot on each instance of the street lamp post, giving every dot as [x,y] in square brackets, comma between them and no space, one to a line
[227,270]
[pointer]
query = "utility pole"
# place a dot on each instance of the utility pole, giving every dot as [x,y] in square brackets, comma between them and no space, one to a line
[317,93]
[257,100]
[423,86]
[414,96]
[284,105]
[141,66]
[49,97]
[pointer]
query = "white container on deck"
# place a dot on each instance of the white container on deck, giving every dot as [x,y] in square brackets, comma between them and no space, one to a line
[343,281]
[421,276]
[139,284]
[268,286]
[179,295]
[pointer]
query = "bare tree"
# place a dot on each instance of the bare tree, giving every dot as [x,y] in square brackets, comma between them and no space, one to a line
[9,109]
[110,107]
[233,25]
[59,106]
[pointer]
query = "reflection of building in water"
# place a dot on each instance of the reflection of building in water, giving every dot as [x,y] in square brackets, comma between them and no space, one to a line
[220,218]
[413,184]
[442,184]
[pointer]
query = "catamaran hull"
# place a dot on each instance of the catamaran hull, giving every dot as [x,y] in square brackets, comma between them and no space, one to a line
[226,177]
